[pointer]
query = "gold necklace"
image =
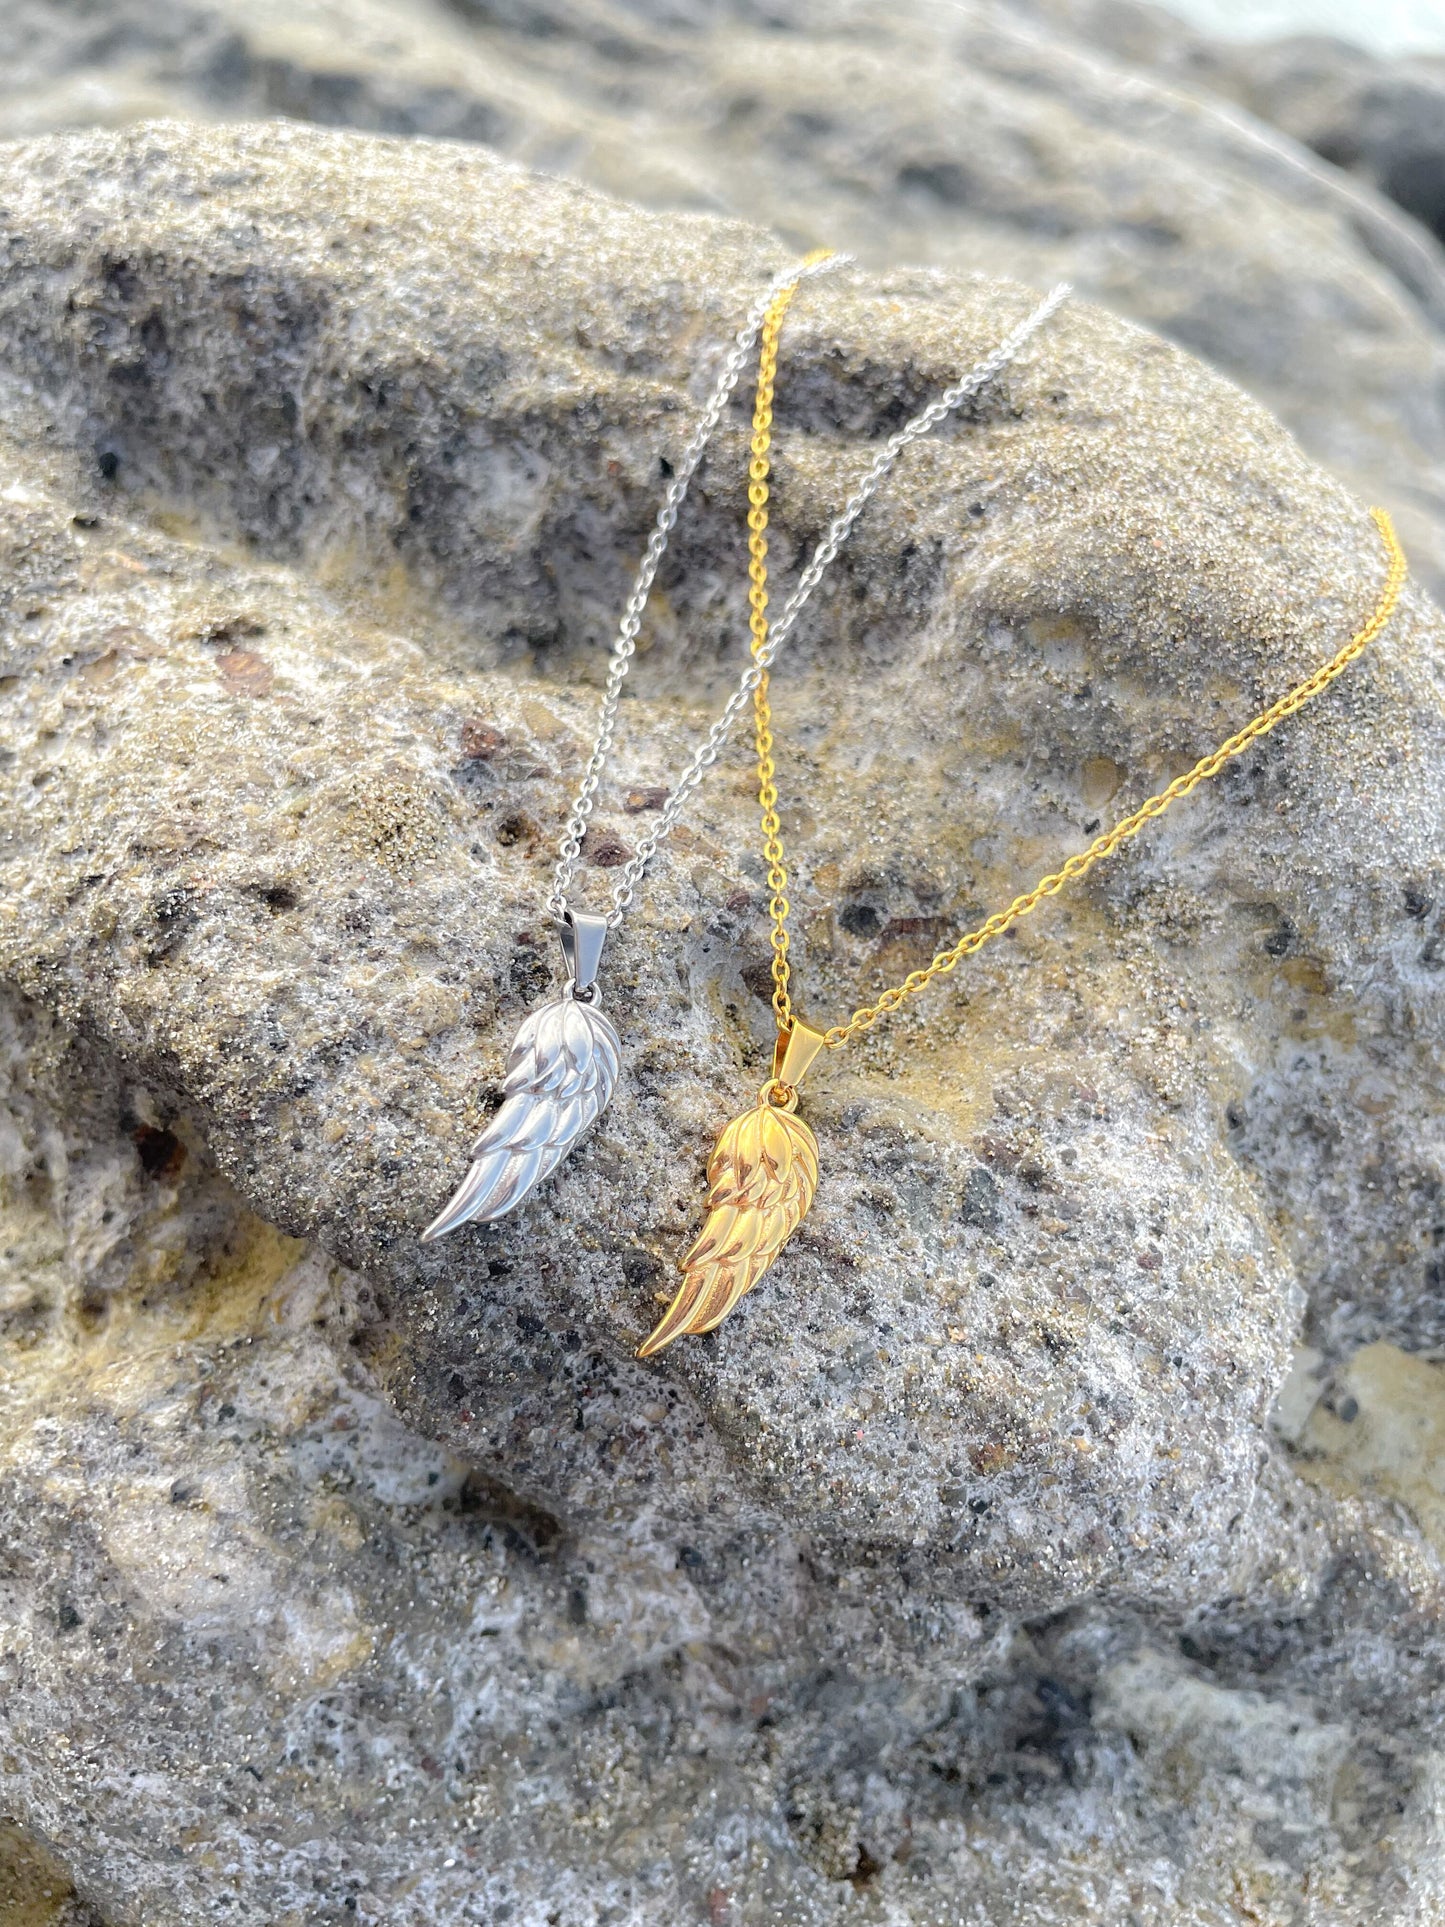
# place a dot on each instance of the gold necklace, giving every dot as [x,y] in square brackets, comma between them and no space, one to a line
[764,1168]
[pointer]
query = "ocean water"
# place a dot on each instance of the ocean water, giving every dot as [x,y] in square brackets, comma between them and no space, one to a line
[1383,26]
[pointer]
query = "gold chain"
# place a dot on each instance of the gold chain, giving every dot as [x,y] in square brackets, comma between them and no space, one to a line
[758,469]
[1082,861]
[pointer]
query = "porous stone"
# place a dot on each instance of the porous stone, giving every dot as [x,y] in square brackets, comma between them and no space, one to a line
[330,457]
[1083,138]
[270,1657]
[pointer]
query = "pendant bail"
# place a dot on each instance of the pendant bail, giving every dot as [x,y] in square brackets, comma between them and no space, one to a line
[794,1052]
[582,934]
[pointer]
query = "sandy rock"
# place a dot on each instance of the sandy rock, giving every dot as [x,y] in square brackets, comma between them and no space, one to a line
[327,460]
[286,887]
[1098,141]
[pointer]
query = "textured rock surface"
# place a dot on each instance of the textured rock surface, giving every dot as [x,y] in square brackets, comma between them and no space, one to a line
[270,1658]
[1077,137]
[960,1560]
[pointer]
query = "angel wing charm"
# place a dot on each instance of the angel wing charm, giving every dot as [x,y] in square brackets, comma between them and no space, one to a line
[761,1177]
[560,1077]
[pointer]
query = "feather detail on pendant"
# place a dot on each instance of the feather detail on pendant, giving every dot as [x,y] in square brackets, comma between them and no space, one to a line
[761,1177]
[560,1078]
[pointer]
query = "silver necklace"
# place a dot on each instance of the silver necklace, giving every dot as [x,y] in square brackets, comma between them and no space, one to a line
[564,1061]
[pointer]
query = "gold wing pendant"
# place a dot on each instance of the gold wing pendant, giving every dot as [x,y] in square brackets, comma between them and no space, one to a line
[761,1177]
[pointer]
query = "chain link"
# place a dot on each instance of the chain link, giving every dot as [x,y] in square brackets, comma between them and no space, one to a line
[1083,861]
[758,471]
[708,751]
[625,645]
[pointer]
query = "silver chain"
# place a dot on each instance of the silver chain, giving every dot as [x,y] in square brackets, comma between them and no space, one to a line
[625,645]
[824,555]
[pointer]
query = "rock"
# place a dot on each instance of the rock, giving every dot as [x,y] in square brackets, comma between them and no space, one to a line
[272,1658]
[278,878]
[1037,142]
[330,457]
[1377,119]
[1380,120]
[35,1890]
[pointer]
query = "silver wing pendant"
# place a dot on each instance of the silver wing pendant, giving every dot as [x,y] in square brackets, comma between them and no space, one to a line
[560,1079]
